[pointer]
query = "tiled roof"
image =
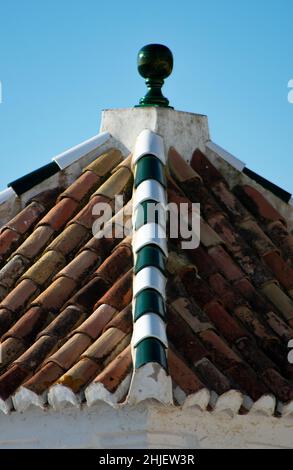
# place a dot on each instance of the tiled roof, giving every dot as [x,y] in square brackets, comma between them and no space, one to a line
[66,296]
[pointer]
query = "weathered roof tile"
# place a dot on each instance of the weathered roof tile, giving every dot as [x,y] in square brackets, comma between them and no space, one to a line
[257,204]
[36,242]
[182,374]
[18,298]
[45,267]
[70,240]
[23,221]
[115,372]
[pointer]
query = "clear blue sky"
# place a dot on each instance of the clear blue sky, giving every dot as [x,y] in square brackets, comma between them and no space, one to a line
[62,62]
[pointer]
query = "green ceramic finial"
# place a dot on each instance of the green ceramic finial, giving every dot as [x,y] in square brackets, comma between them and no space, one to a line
[154,63]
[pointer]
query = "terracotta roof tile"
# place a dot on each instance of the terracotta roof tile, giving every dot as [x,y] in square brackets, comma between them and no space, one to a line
[56,294]
[254,297]
[88,295]
[253,355]
[86,217]
[120,294]
[224,322]
[252,322]
[223,356]
[201,164]
[212,377]
[203,261]
[11,348]
[9,239]
[235,210]
[87,368]
[81,266]
[47,198]
[60,214]
[27,327]
[196,318]
[225,263]
[18,298]
[229,296]
[282,238]
[279,326]
[44,378]
[280,300]
[7,318]
[11,380]
[278,385]
[82,187]
[70,351]
[179,168]
[119,262]
[68,319]
[96,322]
[122,321]
[105,163]
[196,287]
[3,292]
[37,353]
[254,235]
[103,346]
[118,183]
[80,374]
[243,377]
[280,268]
[183,339]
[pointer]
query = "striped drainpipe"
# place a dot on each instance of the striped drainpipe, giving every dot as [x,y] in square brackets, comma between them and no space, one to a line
[149,340]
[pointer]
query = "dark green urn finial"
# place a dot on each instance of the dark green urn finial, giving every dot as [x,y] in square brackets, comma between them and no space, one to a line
[154,63]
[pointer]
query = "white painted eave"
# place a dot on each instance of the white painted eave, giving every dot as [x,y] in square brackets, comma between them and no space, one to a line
[73,154]
[146,425]
[228,157]
[7,194]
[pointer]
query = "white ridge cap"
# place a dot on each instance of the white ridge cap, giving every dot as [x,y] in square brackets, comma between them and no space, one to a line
[149,190]
[149,325]
[148,142]
[149,277]
[150,233]
[65,159]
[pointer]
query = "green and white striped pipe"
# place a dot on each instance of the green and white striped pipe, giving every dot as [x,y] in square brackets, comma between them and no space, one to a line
[149,340]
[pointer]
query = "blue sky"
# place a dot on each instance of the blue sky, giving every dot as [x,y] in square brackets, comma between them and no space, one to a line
[62,62]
